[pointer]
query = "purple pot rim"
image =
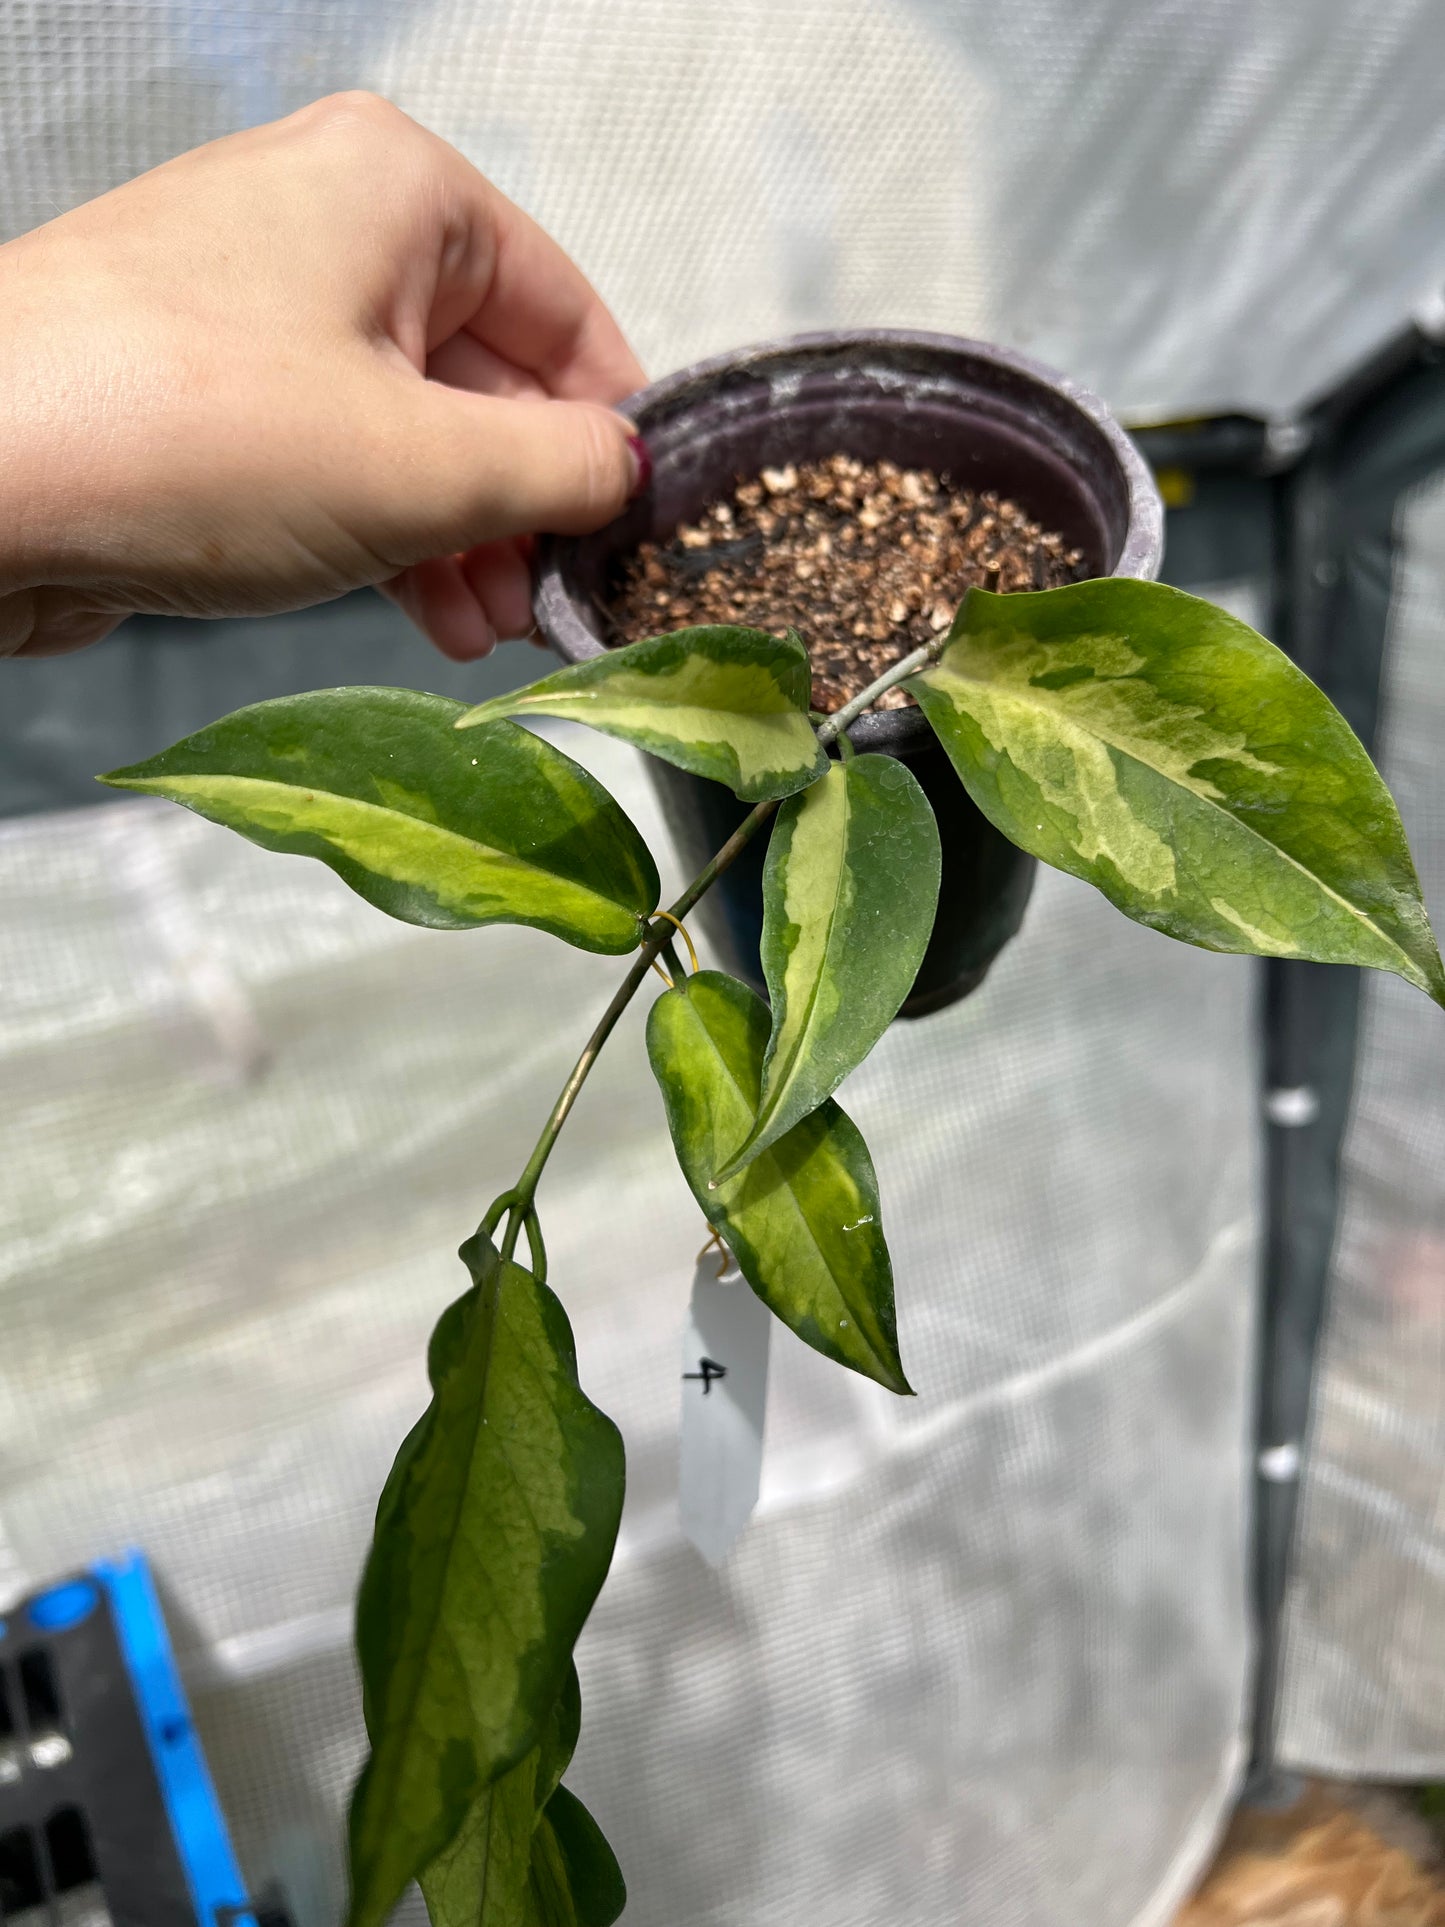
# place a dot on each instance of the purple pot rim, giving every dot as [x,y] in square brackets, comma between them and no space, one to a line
[1140,553]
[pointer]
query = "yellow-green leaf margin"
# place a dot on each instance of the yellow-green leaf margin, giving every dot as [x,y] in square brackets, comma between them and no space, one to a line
[433,828]
[726,703]
[849,894]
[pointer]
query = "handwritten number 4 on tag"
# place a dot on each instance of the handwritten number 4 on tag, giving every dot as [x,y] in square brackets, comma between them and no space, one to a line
[708,1370]
[720,1447]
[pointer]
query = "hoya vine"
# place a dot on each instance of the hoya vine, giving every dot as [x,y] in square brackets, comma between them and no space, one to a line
[1136,737]
[519,1202]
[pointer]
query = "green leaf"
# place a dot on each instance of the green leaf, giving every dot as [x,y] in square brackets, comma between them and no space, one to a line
[431,827]
[511,1866]
[559,1738]
[849,893]
[802,1219]
[731,704]
[1146,741]
[484,1878]
[493,1535]
[576,1881]
[528,1853]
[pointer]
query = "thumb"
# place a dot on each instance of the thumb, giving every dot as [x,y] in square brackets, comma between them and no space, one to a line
[478,467]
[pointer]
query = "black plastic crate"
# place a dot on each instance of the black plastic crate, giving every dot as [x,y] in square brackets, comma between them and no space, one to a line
[108,1817]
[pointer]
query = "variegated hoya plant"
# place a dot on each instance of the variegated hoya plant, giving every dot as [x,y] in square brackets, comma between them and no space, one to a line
[1132,735]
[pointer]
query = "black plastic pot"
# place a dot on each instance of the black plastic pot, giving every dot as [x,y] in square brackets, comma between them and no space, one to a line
[988,419]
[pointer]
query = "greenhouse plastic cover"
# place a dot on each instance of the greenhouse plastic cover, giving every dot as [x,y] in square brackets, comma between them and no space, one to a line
[983,1655]
[1188,204]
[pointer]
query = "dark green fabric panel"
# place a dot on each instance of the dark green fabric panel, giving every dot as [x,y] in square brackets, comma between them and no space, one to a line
[1224,535]
[1335,523]
[1319,539]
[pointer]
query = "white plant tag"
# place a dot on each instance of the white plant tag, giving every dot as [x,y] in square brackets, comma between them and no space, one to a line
[724,1397]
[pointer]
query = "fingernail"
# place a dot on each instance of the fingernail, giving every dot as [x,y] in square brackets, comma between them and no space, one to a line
[482,643]
[641,463]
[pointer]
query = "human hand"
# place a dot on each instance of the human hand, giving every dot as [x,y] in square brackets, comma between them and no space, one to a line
[319,354]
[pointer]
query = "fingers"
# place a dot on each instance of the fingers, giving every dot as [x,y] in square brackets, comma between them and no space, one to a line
[443,605]
[464,603]
[478,469]
[502,584]
[51,622]
[385,361]
[462,362]
[518,294]
[542,314]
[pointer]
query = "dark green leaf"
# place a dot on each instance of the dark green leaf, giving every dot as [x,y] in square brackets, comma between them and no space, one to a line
[1146,741]
[849,893]
[576,1881]
[802,1219]
[505,1858]
[727,703]
[559,1738]
[432,827]
[493,1535]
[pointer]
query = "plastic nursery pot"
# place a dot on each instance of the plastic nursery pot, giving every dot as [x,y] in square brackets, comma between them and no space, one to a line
[986,418]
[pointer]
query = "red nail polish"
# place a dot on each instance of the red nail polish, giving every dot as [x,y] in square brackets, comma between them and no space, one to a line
[644,465]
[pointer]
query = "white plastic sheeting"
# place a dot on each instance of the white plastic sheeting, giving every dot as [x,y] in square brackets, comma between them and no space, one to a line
[1364,1640]
[1189,204]
[981,1655]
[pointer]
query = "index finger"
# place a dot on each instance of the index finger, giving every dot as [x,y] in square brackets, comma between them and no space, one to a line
[533,305]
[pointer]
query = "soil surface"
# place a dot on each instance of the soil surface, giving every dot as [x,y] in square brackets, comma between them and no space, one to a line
[864,559]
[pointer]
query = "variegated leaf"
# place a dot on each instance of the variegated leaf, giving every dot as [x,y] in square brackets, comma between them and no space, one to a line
[849,893]
[528,1853]
[576,1881]
[432,827]
[1150,743]
[493,1535]
[802,1219]
[484,1877]
[730,704]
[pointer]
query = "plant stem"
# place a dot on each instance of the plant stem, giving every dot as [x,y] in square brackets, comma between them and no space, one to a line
[662,933]
[921,657]
[527,1183]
